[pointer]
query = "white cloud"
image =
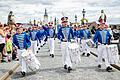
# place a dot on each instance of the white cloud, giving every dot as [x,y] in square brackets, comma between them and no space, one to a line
[24,10]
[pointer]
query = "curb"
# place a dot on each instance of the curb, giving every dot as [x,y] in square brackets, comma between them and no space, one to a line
[8,73]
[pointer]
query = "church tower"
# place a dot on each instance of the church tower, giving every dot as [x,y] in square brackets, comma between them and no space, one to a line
[45,17]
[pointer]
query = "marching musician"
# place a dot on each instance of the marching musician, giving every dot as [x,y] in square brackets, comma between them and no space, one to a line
[102,36]
[51,34]
[78,34]
[85,36]
[64,34]
[74,31]
[42,37]
[22,42]
[34,39]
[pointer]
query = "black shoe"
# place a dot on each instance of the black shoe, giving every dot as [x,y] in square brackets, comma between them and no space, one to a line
[49,50]
[99,66]
[109,69]
[3,61]
[9,60]
[38,48]
[52,55]
[69,69]
[65,66]
[103,60]
[17,59]
[44,44]
[88,54]
[37,51]
[23,73]
[41,46]
[83,54]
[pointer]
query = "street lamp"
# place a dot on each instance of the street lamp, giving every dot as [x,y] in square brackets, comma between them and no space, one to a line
[83,12]
[75,18]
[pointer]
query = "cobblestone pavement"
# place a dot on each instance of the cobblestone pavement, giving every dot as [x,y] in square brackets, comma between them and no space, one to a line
[5,68]
[52,69]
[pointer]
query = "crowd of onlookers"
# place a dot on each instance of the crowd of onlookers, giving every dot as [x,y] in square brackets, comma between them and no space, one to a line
[6,49]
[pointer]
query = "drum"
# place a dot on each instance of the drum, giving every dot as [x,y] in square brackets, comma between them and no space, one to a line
[31,60]
[113,56]
[74,51]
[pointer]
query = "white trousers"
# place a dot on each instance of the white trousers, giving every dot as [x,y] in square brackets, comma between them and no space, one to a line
[65,54]
[85,47]
[22,61]
[42,42]
[78,40]
[102,53]
[51,45]
[34,46]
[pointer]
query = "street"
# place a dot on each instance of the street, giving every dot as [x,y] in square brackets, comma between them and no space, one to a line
[52,68]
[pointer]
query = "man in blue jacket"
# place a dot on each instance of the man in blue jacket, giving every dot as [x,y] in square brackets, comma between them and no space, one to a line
[34,39]
[21,42]
[85,37]
[102,37]
[42,36]
[78,34]
[64,34]
[51,35]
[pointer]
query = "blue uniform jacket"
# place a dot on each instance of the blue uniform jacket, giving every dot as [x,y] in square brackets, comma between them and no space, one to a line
[75,33]
[69,33]
[33,35]
[51,32]
[46,29]
[85,34]
[102,36]
[41,34]
[22,41]
[78,33]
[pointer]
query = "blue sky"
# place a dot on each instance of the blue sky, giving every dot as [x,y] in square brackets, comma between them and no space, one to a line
[24,10]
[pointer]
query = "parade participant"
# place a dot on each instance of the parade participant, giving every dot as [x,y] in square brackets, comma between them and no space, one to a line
[85,36]
[74,30]
[64,34]
[58,27]
[51,38]
[102,18]
[46,31]
[78,34]
[102,36]
[34,39]
[42,37]
[22,42]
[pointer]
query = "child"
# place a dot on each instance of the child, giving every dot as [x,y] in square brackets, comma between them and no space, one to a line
[22,42]
[9,47]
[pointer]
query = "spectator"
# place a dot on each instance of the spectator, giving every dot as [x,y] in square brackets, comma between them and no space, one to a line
[9,47]
[2,42]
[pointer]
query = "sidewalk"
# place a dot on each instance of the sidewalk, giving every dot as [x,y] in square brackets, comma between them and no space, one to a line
[7,69]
